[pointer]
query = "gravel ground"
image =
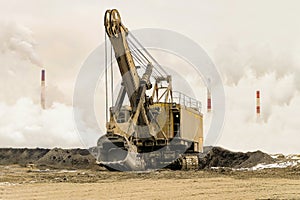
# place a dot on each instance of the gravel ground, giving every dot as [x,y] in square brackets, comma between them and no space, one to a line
[30,183]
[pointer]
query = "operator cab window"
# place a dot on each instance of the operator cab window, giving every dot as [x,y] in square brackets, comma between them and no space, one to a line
[123,116]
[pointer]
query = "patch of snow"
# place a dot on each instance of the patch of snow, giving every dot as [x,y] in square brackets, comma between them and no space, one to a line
[293,157]
[6,184]
[274,165]
[216,167]
[290,163]
[274,156]
[67,171]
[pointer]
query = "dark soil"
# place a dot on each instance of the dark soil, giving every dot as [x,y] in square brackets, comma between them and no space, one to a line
[46,158]
[82,159]
[219,157]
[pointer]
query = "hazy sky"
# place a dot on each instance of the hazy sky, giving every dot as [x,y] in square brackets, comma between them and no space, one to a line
[254,44]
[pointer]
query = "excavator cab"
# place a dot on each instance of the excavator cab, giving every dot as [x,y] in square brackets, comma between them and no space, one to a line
[124,114]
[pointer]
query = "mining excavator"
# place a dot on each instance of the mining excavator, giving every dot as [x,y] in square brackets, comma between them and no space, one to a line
[160,127]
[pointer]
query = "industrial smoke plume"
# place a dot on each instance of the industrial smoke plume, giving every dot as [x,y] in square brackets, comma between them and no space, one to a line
[19,75]
[23,122]
[236,62]
[18,39]
[274,71]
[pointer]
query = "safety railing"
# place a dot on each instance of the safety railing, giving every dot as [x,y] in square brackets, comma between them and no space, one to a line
[187,101]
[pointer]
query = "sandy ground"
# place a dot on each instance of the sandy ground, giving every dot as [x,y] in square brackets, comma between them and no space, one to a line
[23,183]
[207,188]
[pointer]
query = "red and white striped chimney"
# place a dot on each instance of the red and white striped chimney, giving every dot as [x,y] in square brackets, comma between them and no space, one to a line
[208,100]
[258,102]
[43,89]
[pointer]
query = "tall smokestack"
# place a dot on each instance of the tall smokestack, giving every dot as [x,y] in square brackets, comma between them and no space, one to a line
[208,100]
[258,103]
[43,89]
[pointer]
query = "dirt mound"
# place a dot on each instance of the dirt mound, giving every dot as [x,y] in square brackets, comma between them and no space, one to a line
[82,159]
[46,158]
[21,156]
[67,159]
[219,157]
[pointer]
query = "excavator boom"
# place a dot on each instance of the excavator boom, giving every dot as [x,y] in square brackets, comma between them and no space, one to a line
[130,79]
